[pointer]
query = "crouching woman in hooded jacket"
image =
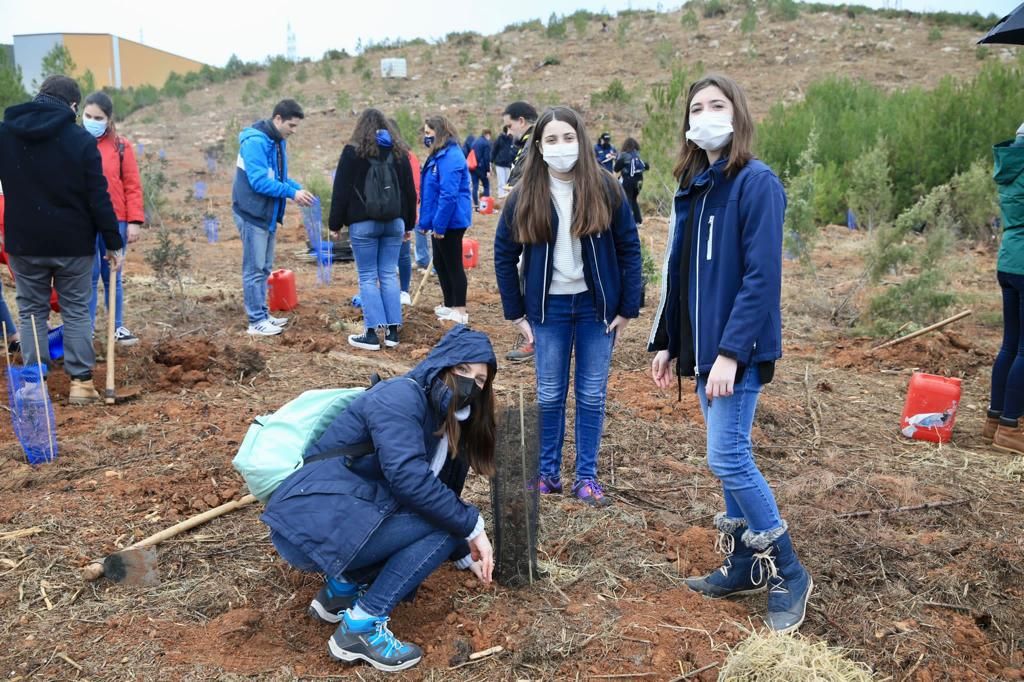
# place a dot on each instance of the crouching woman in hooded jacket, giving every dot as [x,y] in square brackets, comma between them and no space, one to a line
[378,525]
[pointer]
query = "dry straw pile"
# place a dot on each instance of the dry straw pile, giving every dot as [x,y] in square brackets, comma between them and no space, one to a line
[768,657]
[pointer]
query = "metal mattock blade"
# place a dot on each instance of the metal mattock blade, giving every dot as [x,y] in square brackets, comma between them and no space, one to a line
[133,566]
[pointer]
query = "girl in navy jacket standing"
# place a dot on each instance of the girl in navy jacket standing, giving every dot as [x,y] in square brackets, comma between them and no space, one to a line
[446,211]
[379,524]
[578,287]
[720,320]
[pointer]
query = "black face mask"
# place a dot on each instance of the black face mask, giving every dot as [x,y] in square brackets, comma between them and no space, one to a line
[466,391]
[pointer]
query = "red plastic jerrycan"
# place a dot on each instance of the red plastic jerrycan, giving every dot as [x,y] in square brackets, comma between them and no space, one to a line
[930,410]
[487,205]
[281,290]
[470,253]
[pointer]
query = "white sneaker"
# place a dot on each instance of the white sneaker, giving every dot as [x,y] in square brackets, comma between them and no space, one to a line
[277,321]
[123,337]
[264,328]
[442,311]
[406,298]
[456,317]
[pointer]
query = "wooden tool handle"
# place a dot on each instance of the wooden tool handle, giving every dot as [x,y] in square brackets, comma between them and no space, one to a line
[111,330]
[426,276]
[94,571]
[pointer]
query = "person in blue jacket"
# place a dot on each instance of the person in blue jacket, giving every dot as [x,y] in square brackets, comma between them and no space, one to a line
[482,174]
[605,153]
[378,525]
[446,212]
[577,289]
[258,196]
[720,320]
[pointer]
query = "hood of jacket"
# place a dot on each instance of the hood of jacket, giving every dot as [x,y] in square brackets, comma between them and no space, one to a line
[460,345]
[37,120]
[1009,163]
[267,127]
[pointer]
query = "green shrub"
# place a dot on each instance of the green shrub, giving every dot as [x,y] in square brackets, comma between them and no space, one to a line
[174,86]
[689,19]
[277,71]
[485,45]
[622,34]
[615,93]
[974,201]
[981,52]
[336,55]
[556,29]
[783,10]
[665,51]
[749,22]
[359,64]
[251,93]
[301,74]
[409,125]
[919,300]
[463,57]
[829,198]
[343,102]
[462,38]
[367,75]
[521,26]
[326,70]
[56,62]
[714,8]
[934,35]
[231,132]
[11,90]
[169,259]
[800,231]
[661,137]
[870,193]
[580,22]
[551,60]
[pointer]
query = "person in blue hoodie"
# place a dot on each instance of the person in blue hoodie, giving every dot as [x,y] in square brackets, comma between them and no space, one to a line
[446,212]
[258,198]
[605,153]
[576,290]
[378,525]
[482,174]
[720,320]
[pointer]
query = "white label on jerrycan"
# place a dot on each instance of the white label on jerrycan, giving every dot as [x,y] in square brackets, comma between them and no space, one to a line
[928,420]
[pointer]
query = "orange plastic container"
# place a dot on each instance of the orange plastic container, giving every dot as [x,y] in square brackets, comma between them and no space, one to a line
[281,293]
[487,205]
[470,253]
[930,411]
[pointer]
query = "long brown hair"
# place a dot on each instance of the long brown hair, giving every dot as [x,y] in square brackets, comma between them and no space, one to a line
[692,159]
[444,131]
[595,194]
[364,137]
[477,438]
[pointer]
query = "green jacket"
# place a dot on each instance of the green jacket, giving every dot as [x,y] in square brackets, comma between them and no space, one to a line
[1009,176]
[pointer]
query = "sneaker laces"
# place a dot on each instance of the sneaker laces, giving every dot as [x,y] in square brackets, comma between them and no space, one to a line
[384,637]
[595,488]
[764,571]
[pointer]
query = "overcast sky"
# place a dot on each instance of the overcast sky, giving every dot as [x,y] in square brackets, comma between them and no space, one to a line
[211,31]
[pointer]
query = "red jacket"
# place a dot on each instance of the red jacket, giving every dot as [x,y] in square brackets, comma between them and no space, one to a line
[123,181]
[415,163]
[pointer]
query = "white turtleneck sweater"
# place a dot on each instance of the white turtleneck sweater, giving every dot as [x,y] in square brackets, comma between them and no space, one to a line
[568,259]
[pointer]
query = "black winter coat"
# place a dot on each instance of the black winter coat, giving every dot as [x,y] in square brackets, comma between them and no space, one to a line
[55,191]
[347,205]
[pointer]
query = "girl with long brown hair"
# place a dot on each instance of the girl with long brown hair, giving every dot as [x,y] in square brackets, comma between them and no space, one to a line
[720,319]
[578,287]
[378,525]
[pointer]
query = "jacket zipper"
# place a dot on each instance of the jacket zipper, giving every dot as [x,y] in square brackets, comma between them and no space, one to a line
[544,291]
[600,284]
[711,234]
[696,344]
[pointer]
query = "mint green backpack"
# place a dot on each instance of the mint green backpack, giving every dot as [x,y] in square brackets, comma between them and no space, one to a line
[273,446]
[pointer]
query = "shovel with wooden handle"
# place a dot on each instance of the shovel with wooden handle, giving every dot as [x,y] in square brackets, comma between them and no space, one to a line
[111,395]
[136,564]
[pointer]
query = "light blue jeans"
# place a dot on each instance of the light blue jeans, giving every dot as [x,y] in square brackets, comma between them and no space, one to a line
[405,258]
[101,268]
[376,246]
[257,262]
[731,455]
[571,326]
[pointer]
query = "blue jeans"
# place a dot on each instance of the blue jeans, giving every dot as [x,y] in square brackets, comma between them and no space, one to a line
[731,456]
[5,315]
[396,559]
[257,262]
[479,178]
[101,268]
[376,246]
[1008,370]
[571,323]
[422,249]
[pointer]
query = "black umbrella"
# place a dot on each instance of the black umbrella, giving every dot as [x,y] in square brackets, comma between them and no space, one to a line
[1009,30]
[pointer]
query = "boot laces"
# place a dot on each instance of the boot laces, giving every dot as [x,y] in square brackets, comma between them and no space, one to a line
[386,639]
[764,571]
[726,545]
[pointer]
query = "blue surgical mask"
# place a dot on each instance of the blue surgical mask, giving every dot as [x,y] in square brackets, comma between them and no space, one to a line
[95,128]
[428,141]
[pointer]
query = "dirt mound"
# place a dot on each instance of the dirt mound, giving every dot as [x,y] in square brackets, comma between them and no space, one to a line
[943,353]
[193,355]
[244,362]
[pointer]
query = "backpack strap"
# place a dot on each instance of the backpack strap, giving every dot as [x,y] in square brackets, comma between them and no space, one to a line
[354,450]
[120,155]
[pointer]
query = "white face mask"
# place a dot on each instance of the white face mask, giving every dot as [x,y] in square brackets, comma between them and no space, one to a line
[711,130]
[561,157]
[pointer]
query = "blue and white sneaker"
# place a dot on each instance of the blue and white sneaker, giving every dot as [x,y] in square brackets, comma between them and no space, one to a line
[333,599]
[370,640]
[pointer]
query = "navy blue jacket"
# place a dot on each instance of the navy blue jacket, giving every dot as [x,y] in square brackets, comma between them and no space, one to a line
[611,265]
[503,151]
[56,193]
[735,272]
[445,199]
[601,151]
[482,147]
[467,144]
[330,508]
[261,185]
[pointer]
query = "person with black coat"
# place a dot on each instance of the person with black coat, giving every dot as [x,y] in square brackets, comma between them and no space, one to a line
[375,196]
[630,168]
[503,153]
[56,204]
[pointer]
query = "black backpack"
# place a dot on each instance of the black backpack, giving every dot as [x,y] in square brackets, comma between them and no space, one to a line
[637,166]
[381,196]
